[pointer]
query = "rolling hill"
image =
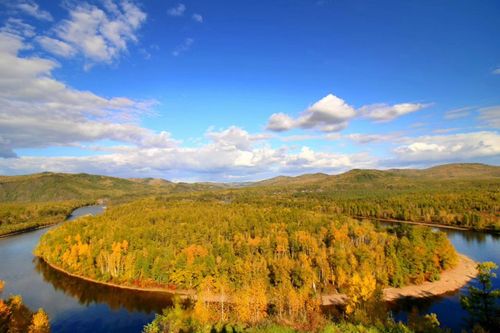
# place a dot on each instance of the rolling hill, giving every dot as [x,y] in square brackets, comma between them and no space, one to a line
[363,178]
[48,186]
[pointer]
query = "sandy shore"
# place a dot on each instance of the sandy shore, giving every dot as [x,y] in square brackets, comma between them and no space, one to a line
[451,280]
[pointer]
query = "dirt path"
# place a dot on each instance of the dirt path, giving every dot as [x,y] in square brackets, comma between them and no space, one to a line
[451,280]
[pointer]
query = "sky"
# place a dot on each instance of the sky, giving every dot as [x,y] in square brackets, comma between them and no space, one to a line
[246,90]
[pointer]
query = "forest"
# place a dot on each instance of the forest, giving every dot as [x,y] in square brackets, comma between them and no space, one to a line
[470,207]
[239,258]
[32,201]
[460,195]
[18,217]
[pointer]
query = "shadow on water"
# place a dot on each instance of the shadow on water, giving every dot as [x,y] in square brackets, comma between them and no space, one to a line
[473,237]
[88,293]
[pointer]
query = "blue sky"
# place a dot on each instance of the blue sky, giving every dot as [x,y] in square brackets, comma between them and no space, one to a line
[244,90]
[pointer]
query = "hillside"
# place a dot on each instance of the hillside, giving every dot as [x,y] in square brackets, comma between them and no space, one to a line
[459,195]
[362,178]
[48,186]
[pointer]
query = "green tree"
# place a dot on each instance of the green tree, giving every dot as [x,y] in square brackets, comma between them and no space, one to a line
[481,303]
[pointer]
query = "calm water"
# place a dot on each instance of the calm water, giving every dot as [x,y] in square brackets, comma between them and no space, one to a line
[73,305]
[476,245]
[78,306]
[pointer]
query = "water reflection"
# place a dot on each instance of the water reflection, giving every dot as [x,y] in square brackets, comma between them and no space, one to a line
[88,293]
[473,237]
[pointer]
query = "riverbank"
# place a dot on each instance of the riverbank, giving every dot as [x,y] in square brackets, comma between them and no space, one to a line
[185,293]
[25,230]
[429,224]
[33,226]
[451,280]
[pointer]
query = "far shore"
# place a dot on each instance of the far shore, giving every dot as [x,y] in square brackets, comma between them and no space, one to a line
[450,280]
[43,226]
[427,224]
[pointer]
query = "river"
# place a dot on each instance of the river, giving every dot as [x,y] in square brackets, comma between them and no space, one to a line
[74,305]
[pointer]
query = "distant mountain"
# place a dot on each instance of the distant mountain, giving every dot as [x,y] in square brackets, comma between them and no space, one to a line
[298,180]
[391,177]
[48,186]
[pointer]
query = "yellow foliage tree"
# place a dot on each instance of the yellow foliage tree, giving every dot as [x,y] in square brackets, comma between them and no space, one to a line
[39,323]
[359,290]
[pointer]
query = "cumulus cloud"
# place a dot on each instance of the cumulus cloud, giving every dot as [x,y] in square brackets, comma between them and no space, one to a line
[496,71]
[177,10]
[39,111]
[31,8]
[234,138]
[453,147]
[99,34]
[329,114]
[332,114]
[280,122]
[217,160]
[308,159]
[385,112]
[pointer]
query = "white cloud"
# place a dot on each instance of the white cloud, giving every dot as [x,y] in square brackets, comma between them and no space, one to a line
[18,27]
[386,112]
[177,10]
[55,46]
[197,17]
[490,116]
[453,147]
[445,130]
[39,111]
[332,114]
[234,138]
[363,138]
[458,113]
[308,160]
[329,114]
[217,160]
[496,71]
[280,122]
[184,47]
[31,8]
[333,136]
[100,35]
[302,137]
